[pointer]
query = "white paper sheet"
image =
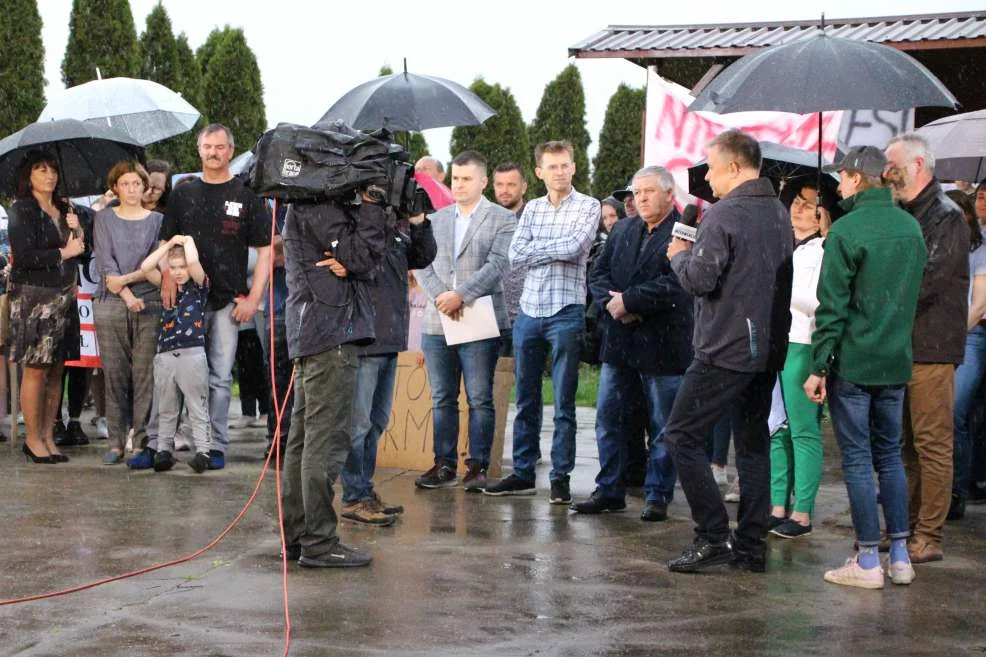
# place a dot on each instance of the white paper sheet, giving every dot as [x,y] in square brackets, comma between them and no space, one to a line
[478,322]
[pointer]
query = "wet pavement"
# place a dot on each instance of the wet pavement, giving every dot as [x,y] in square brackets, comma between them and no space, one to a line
[457,575]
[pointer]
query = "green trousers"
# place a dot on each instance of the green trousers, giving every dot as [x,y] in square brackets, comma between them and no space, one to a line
[796,450]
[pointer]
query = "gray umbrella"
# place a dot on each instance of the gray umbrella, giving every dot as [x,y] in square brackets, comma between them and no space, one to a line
[823,73]
[959,145]
[405,101]
[85,153]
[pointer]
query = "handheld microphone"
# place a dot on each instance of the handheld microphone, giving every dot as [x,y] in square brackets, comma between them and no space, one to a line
[685,229]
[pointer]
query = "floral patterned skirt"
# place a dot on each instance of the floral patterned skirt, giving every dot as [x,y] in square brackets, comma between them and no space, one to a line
[44,325]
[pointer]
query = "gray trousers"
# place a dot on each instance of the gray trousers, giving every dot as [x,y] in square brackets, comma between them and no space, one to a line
[318,445]
[182,374]
[127,342]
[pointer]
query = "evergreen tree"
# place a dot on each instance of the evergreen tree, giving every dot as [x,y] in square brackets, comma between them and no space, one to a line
[561,115]
[502,137]
[232,92]
[101,34]
[22,65]
[619,154]
[205,52]
[414,142]
[180,150]
[160,63]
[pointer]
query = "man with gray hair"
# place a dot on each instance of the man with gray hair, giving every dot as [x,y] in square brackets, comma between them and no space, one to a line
[938,341]
[646,319]
[431,166]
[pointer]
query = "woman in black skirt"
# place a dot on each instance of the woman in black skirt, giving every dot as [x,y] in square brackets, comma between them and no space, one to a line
[45,239]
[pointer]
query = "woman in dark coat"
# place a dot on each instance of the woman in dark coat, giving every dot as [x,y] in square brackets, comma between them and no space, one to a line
[45,239]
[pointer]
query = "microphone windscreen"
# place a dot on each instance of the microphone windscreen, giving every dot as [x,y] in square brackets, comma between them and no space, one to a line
[689,215]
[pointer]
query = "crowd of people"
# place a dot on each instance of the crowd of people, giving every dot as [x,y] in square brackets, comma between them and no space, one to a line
[873,303]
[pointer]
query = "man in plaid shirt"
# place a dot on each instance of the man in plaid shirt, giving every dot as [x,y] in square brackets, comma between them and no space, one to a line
[552,240]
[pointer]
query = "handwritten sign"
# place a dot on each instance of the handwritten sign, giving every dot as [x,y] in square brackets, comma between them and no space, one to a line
[407,441]
[676,138]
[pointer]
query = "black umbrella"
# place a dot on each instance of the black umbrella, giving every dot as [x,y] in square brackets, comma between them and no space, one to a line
[85,153]
[822,73]
[780,164]
[405,101]
[959,145]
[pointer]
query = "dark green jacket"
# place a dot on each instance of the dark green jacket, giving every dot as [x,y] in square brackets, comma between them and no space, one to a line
[868,292]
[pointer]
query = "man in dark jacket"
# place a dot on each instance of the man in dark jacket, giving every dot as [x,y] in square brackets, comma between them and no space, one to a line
[938,341]
[328,317]
[377,373]
[740,271]
[647,324]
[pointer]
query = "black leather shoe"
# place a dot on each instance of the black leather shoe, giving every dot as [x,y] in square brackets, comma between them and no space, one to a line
[749,561]
[61,436]
[291,552]
[701,556]
[597,503]
[654,512]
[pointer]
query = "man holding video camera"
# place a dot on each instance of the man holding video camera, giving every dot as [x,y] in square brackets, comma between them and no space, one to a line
[329,316]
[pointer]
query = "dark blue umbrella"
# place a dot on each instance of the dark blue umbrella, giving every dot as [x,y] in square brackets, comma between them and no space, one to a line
[405,101]
[85,153]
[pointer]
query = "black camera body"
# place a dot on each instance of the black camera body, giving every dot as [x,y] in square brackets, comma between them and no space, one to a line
[298,163]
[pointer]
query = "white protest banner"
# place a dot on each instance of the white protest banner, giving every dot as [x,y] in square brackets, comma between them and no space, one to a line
[675,138]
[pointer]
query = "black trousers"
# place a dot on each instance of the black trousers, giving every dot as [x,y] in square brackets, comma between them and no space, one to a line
[252,374]
[77,379]
[706,394]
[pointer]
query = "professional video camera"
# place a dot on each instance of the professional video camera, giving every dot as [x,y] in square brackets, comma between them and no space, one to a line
[297,163]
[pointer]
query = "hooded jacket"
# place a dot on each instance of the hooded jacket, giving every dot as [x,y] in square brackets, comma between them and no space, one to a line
[323,310]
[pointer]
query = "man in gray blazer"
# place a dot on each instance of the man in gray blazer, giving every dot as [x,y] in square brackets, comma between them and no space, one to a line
[473,236]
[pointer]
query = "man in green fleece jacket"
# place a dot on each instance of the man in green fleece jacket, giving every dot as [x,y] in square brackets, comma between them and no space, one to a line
[861,353]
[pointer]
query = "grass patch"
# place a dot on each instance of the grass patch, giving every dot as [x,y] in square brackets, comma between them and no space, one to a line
[585,395]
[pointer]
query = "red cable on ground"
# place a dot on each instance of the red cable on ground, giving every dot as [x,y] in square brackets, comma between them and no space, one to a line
[275,453]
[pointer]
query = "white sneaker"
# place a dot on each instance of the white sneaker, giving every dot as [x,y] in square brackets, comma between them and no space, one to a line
[259,422]
[102,430]
[733,494]
[900,572]
[851,574]
[130,440]
[719,474]
[241,422]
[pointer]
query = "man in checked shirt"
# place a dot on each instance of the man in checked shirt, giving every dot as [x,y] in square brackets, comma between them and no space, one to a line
[552,240]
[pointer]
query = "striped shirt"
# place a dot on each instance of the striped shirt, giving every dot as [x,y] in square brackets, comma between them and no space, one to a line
[553,243]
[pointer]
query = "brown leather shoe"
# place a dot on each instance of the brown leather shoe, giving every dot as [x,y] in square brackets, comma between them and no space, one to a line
[921,551]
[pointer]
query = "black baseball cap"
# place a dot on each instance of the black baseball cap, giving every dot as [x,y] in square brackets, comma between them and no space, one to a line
[865,159]
[622,194]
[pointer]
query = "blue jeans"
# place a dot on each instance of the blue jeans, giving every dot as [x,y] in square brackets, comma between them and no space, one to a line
[374,399]
[221,336]
[868,424]
[475,364]
[533,337]
[611,435]
[968,377]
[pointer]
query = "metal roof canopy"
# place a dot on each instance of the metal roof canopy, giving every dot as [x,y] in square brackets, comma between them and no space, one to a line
[916,32]
[692,55]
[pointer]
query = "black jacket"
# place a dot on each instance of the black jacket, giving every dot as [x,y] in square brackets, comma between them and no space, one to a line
[943,304]
[740,268]
[325,311]
[35,244]
[388,290]
[661,343]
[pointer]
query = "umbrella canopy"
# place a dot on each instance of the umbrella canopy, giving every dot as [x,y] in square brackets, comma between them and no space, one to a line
[85,153]
[823,73]
[145,110]
[405,101]
[959,145]
[780,164]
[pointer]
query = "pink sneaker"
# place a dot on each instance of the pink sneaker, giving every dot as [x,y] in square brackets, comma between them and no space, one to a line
[851,574]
